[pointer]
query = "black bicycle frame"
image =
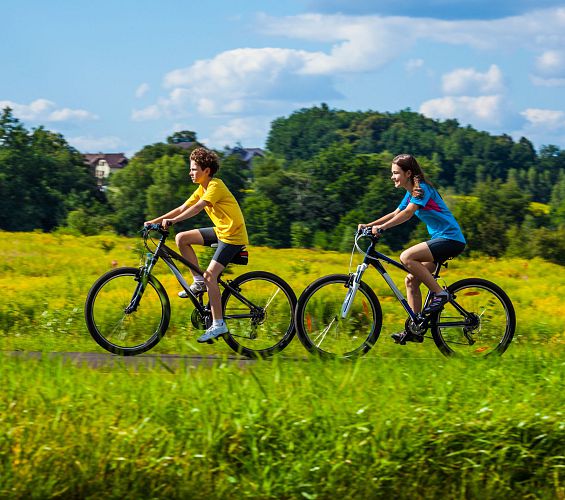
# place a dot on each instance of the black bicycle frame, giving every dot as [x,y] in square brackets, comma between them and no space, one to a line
[169,256]
[374,258]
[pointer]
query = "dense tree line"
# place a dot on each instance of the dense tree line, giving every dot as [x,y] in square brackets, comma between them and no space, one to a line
[325,171]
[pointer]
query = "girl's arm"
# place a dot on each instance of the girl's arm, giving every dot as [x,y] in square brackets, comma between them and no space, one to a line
[399,216]
[382,220]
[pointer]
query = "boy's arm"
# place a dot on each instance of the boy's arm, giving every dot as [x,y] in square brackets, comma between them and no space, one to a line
[173,213]
[185,212]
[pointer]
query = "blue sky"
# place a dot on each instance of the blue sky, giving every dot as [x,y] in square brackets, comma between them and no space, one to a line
[114,76]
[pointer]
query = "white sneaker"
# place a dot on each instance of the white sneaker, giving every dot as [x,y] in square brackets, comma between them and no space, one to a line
[197,288]
[213,333]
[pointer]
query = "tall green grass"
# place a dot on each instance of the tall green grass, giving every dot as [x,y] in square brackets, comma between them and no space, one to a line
[378,428]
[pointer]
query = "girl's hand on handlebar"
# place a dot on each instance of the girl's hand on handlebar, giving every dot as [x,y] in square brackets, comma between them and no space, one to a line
[377,231]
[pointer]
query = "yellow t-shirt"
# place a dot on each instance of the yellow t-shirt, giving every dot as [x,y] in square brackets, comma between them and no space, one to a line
[223,210]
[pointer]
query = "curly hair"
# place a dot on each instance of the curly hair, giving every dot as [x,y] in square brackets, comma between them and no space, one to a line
[205,158]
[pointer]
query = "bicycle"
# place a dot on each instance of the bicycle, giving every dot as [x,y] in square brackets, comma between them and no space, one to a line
[128,311]
[339,315]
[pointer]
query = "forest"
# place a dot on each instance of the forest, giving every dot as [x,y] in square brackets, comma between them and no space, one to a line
[324,171]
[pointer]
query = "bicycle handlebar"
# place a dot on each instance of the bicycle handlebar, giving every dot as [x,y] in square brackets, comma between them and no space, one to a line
[154,227]
[368,232]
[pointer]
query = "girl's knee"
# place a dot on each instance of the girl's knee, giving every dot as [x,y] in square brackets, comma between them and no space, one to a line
[411,281]
[405,258]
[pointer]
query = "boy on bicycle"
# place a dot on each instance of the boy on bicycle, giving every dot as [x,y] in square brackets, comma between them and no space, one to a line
[229,232]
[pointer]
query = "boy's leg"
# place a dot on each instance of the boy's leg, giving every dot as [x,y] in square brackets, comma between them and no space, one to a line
[184,242]
[218,327]
[211,278]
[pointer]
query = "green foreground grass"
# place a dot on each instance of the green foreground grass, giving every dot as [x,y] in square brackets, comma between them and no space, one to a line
[284,429]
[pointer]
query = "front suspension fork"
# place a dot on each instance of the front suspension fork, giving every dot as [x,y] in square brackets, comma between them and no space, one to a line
[142,279]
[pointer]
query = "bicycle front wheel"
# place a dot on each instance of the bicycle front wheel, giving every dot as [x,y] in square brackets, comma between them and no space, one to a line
[259,311]
[117,326]
[321,327]
[479,322]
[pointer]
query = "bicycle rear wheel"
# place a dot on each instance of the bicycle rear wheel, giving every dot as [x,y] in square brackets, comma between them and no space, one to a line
[320,325]
[481,321]
[260,316]
[113,325]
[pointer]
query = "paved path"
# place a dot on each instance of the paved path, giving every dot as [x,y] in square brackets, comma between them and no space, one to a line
[170,362]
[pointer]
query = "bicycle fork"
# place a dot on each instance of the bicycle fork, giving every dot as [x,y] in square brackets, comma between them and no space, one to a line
[353,286]
[142,280]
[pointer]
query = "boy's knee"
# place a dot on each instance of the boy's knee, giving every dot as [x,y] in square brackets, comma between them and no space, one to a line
[209,277]
[179,239]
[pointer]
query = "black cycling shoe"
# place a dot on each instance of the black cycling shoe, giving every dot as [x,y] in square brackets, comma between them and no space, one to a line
[437,302]
[403,337]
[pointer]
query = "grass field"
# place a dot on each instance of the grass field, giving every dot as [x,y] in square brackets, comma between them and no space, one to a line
[403,422]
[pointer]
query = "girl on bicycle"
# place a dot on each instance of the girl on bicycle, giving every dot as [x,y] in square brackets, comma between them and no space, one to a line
[447,241]
[229,233]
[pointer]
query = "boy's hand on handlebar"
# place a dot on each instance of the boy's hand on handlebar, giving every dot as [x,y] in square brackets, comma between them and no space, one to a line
[166,223]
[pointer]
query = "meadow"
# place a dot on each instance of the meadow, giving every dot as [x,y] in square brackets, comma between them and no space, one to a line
[404,421]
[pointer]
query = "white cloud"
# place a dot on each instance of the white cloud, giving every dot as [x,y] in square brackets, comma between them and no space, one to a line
[544,118]
[543,126]
[240,81]
[43,110]
[88,144]
[250,131]
[414,65]
[466,81]
[548,82]
[267,81]
[551,62]
[480,110]
[142,90]
[149,113]
[550,66]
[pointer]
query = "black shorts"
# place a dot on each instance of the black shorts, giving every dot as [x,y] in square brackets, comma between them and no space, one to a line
[443,249]
[225,251]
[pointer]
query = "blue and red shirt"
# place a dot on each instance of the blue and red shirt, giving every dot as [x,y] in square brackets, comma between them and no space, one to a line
[434,212]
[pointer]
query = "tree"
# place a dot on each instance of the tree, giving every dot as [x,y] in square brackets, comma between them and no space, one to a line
[182,136]
[43,178]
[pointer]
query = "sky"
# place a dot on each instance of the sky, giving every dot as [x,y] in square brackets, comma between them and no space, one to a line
[116,75]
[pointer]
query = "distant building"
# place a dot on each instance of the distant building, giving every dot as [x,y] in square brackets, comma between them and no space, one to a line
[104,164]
[246,154]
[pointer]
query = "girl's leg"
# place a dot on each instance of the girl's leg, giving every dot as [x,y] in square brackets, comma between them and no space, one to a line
[184,242]
[417,260]
[413,292]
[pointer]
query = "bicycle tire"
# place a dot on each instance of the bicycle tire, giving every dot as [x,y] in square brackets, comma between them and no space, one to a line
[117,331]
[322,330]
[272,327]
[494,320]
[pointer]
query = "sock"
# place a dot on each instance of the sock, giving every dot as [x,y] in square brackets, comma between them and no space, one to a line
[218,322]
[443,292]
[198,279]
